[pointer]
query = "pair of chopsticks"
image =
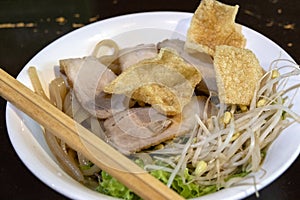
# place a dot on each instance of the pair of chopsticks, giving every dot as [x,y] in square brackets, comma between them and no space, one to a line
[82,140]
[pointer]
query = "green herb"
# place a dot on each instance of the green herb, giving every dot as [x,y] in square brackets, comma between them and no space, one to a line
[112,187]
[190,190]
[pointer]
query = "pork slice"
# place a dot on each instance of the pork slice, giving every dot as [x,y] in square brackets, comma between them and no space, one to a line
[136,129]
[105,105]
[87,76]
[139,128]
[132,55]
[202,61]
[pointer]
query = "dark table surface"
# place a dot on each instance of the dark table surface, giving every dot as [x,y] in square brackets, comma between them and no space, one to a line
[28,26]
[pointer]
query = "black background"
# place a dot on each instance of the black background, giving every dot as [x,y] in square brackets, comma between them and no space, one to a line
[276,19]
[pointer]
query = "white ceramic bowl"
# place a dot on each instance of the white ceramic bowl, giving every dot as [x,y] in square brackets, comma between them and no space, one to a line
[26,135]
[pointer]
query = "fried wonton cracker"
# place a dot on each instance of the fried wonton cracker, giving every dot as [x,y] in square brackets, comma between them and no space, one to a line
[166,82]
[237,71]
[213,24]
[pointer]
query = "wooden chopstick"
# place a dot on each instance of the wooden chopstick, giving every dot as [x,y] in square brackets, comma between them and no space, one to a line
[82,140]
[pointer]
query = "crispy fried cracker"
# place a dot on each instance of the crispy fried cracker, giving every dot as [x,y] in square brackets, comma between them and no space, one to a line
[213,24]
[237,71]
[166,82]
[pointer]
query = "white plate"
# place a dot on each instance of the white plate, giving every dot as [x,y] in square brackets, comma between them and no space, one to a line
[26,135]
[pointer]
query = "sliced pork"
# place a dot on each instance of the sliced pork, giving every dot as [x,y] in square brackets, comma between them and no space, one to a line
[87,76]
[133,55]
[136,129]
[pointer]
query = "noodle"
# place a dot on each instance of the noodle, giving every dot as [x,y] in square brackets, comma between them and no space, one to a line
[63,159]
[36,82]
[107,60]
[57,91]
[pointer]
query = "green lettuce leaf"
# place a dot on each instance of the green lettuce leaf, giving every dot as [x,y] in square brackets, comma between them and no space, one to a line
[190,190]
[112,187]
